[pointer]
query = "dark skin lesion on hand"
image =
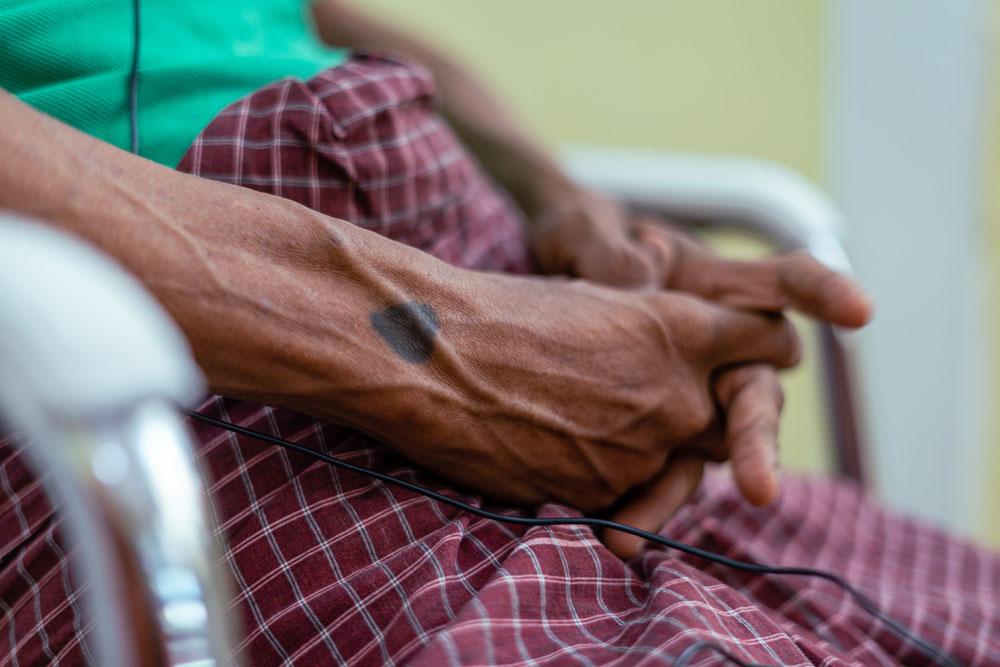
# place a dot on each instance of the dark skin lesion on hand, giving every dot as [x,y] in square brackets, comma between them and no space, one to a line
[409,329]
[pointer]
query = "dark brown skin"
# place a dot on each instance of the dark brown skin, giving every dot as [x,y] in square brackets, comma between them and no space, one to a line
[579,233]
[535,389]
[528,389]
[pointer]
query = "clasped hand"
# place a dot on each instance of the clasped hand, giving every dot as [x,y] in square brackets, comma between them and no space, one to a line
[607,393]
[586,235]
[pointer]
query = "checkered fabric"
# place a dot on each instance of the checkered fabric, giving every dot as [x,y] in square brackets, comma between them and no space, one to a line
[334,568]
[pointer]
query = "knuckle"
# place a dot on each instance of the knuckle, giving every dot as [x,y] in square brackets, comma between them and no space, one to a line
[827,280]
[696,413]
[774,286]
[711,286]
[814,280]
[704,410]
[799,263]
[627,267]
[694,326]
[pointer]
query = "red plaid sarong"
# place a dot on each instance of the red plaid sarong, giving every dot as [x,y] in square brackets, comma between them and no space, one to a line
[335,568]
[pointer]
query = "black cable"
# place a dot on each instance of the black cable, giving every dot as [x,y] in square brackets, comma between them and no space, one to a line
[133,79]
[929,649]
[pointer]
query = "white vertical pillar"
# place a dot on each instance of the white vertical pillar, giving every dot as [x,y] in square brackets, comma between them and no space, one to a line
[908,111]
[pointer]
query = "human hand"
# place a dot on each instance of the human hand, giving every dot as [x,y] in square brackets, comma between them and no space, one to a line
[586,235]
[541,389]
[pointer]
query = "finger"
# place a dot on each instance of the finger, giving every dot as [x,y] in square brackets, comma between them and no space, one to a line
[821,292]
[739,336]
[794,280]
[751,398]
[798,281]
[653,505]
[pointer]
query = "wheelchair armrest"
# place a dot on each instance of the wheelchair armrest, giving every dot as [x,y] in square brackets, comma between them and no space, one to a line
[771,202]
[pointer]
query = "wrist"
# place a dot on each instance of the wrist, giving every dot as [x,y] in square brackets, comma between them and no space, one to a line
[528,174]
[302,321]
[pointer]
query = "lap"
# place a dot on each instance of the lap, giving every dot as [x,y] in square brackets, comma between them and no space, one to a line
[334,567]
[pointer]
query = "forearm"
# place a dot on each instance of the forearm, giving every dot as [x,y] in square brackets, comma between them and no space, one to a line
[517,160]
[275,299]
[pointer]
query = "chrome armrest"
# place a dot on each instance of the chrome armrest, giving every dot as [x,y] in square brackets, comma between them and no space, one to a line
[764,199]
[92,371]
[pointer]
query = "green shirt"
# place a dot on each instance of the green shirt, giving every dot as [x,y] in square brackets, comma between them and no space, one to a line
[72,58]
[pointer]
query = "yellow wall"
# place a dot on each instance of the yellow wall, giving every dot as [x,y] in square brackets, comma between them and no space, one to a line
[706,75]
[713,75]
